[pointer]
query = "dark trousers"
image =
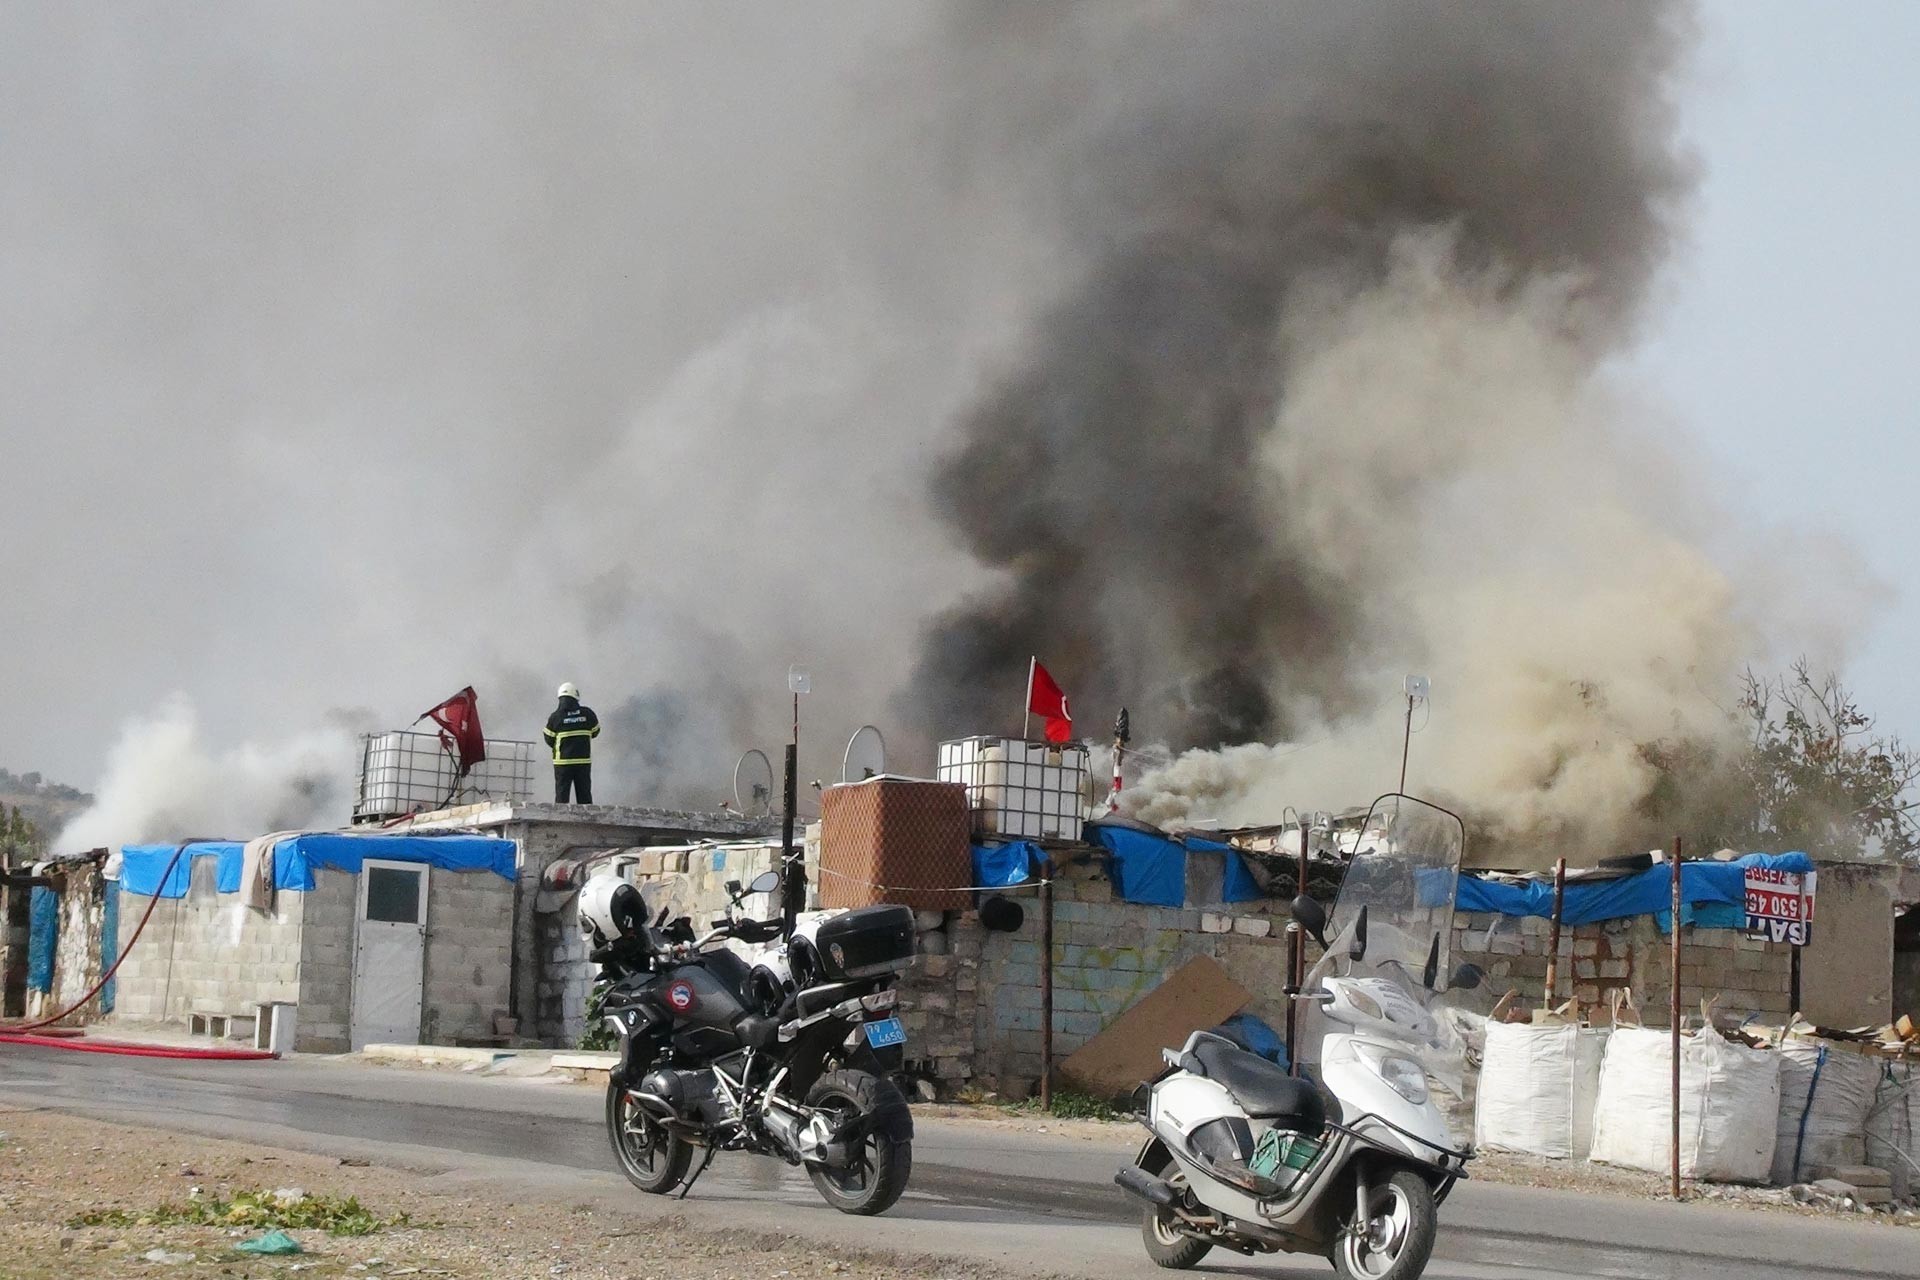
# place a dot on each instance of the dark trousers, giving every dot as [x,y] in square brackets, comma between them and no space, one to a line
[577,778]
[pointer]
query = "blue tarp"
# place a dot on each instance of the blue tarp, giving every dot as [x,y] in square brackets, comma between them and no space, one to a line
[296,858]
[1002,866]
[43,937]
[109,940]
[1703,885]
[1151,868]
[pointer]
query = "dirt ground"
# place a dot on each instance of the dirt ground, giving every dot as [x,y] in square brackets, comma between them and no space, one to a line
[56,1168]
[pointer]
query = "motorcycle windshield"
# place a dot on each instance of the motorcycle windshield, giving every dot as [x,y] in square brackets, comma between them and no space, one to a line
[1404,874]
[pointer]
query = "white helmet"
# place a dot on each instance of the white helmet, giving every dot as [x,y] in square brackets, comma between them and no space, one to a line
[569,690]
[611,909]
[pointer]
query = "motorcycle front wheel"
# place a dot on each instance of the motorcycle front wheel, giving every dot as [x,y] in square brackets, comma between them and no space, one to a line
[882,1160]
[1396,1240]
[653,1159]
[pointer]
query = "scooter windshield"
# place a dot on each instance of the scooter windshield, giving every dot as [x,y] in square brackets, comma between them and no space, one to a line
[1404,874]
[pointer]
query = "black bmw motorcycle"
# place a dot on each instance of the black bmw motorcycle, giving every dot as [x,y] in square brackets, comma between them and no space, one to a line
[789,1056]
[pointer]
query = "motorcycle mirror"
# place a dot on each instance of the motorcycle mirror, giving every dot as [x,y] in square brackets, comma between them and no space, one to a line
[765,882]
[1466,977]
[1358,951]
[1431,974]
[1312,917]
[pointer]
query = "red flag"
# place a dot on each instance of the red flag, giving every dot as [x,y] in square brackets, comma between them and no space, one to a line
[459,721]
[1047,699]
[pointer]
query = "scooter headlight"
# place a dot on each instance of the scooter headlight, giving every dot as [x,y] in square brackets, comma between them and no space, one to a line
[1402,1075]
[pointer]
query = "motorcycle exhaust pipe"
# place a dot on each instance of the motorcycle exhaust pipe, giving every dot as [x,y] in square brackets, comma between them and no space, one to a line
[1137,1181]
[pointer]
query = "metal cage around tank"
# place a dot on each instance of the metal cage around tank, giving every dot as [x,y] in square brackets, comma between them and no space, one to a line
[403,772]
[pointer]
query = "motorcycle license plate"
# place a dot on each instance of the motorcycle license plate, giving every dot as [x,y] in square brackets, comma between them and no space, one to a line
[885,1034]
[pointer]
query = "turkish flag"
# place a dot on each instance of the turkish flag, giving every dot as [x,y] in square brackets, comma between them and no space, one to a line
[1046,698]
[459,721]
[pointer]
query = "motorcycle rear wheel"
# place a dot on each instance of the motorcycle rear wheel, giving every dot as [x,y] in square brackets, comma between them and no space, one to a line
[651,1158]
[877,1176]
[1397,1239]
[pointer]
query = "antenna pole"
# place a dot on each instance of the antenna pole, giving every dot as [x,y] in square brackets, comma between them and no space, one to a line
[1406,744]
[794,882]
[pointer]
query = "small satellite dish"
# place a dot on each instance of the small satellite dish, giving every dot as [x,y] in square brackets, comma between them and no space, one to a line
[866,756]
[753,784]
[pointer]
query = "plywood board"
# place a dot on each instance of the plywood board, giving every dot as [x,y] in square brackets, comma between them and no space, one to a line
[1197,995]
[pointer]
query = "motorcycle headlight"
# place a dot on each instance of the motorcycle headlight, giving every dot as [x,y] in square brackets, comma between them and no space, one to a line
[1402,1075]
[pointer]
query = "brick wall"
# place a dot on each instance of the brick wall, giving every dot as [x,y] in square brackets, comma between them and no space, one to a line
[469,962]
[1747,976]
[76,958]
[325,990]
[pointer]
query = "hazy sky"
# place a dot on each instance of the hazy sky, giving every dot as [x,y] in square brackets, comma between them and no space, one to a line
[235,250]
[1789,348]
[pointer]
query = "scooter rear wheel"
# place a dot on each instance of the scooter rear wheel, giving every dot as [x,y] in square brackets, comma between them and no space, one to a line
[1397,1238]
[1166,1244]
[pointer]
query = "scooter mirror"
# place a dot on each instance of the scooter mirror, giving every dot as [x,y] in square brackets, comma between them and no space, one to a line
[765,882]
[1312,917]
[1466,978]
[1359,949]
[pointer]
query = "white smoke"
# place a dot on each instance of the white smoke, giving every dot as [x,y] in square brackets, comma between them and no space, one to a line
[165,781]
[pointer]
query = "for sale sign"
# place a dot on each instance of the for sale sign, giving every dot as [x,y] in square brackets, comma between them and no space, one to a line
[1780,905]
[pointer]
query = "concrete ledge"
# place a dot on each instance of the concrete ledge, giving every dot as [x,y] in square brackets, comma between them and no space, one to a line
[593,1063]
[438,1055]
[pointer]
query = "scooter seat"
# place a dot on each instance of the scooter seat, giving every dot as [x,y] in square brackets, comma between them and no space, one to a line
[1263,1090]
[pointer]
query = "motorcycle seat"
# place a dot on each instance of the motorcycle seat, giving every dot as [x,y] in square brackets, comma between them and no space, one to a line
[1263,1090]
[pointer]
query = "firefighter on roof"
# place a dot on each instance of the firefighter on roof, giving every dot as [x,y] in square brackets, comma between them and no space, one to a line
[570,731]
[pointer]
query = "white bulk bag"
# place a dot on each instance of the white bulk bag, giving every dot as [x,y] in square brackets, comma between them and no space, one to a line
[1893,1127]
[1729,1104]
[1538,1086]
[1825,1095]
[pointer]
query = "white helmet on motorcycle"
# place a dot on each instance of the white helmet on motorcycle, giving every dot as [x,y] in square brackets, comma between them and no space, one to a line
[569,690]
[611,909]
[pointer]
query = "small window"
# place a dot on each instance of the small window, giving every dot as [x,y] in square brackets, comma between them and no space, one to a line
[393,895]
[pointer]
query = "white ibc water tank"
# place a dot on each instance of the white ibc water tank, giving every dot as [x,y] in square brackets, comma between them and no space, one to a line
[1019,789]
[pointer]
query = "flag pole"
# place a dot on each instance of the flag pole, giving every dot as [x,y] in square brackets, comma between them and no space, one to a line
[1026,725]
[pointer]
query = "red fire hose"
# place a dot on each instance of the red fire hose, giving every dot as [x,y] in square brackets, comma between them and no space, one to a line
[12,1033]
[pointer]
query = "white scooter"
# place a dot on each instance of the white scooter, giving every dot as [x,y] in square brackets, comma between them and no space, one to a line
[1244,1156]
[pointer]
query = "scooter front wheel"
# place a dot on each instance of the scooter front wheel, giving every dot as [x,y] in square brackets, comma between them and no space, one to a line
[1396,1239]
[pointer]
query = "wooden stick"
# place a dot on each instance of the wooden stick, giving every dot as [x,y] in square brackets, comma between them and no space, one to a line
[1674,1015]
[1553,934]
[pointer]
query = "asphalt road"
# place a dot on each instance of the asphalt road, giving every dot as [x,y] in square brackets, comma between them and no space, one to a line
[1027,1201]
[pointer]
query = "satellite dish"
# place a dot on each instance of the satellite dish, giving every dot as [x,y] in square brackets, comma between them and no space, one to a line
[866,756]
[753,784]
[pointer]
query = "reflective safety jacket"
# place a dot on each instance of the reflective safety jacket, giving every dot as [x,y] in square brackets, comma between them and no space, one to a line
[570,731]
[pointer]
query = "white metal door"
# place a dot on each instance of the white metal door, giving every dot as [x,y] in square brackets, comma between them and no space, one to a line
[389,954]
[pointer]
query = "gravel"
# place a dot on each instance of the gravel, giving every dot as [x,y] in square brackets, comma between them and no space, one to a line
[58,1167]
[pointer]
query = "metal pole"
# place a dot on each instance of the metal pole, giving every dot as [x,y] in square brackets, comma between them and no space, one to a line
[1046,984]
[1406,744]
[1673,1012]
[1553,933]
[794,881]
[1297,960]
[1026,725]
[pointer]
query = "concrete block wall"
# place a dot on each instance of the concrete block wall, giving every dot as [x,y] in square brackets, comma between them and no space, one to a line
[469,960]
[325,993]
[1747,975]
[206,953]
[972,1002]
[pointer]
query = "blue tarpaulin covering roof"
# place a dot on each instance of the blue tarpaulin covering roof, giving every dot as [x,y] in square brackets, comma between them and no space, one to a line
[1151,868]
[1002,866]
[43,937]
[296,858]
[1704,887]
